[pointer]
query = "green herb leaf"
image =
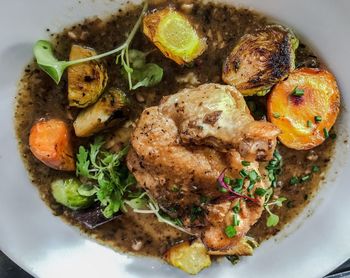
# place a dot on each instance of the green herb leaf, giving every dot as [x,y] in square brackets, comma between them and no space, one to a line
[43,52]
[294,180]
[230,231]
[272,220]
[260,191]
[325,133]
[308,123]
[111,177]
[245,163]
[297,92]
[318,119]
[279,201]
[87,190]
[315,169]
[305,178]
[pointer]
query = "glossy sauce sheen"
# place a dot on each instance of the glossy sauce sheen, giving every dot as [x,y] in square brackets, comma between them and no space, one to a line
[223,25]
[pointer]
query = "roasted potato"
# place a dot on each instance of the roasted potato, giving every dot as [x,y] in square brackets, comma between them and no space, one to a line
[86,81]
[244,247]
[49,141]
[260,59]
[174,35]
[106,112]
[189,257]
[304,107]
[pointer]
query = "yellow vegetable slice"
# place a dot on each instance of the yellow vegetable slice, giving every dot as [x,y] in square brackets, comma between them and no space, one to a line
[86,81]
[174,35]
[191,258]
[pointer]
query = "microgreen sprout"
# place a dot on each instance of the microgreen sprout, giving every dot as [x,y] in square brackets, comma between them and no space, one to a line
[150,74]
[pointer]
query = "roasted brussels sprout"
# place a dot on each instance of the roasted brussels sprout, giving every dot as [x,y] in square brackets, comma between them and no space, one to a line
[191,258]
[174,35]
[106,112]
[86,81]
[261,59]
[66,193]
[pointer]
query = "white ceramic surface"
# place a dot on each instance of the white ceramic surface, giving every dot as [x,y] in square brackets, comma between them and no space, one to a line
[314,244]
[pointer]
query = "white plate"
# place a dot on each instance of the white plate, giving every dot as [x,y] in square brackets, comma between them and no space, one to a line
[314,244]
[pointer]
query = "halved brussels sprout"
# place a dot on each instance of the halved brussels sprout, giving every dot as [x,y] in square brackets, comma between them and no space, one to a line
[191,258]
[66,193]
[86,81]
[260,60]
[106,112]
[174,35]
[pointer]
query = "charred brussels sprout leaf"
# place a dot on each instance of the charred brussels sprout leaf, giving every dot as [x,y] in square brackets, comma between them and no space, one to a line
[261,59]
[142,74]
[174,35]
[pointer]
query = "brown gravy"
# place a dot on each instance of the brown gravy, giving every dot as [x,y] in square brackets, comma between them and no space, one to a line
[141,234]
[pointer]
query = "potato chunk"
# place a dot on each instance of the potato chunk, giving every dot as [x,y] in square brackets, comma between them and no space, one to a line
[174,35]
[304,107]
[260,59]
[106,112]
[191,258]
[86,81]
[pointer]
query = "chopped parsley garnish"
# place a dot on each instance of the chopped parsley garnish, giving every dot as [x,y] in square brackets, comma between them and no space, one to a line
[297,92]
[227,180]
[243,173]
[260,191]
[274,168]
[276,115]
[318,119]
[325,133]
[305,178]
[294,180]
[308,123]
[235,220]
[236,208]
[333,136]
[230,231]
[245,163]
[315,169]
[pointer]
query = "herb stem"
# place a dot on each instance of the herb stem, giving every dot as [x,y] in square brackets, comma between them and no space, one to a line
[122,47]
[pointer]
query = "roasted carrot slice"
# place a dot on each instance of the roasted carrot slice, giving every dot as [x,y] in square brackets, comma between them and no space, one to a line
[49,141]
[304,107]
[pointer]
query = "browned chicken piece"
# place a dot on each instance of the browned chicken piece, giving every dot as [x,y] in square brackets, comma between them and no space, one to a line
[217,115]
[180,148]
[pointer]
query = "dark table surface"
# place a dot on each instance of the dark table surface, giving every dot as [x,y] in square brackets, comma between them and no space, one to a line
[9,269]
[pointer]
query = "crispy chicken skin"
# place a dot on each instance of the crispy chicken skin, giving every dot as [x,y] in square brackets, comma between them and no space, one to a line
[180,147]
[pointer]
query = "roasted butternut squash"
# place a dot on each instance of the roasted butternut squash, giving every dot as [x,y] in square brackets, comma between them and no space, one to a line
[174,35]
[304,107]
